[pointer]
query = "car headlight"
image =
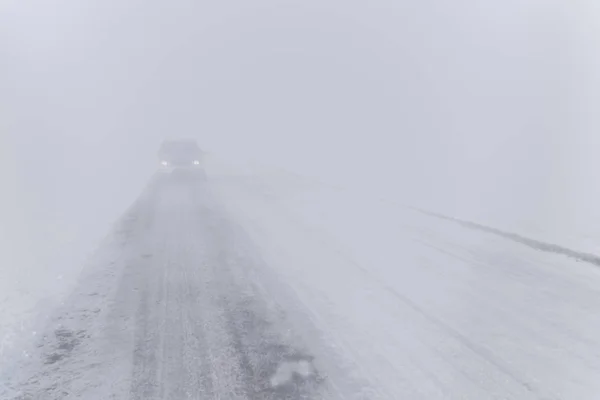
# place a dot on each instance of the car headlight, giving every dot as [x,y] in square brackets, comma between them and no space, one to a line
[165,163]
[196,162]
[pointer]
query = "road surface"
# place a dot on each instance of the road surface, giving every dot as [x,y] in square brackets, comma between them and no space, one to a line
[182,311]
[227,291]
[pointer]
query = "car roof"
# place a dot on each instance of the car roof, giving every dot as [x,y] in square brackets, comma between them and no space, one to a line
[179,144]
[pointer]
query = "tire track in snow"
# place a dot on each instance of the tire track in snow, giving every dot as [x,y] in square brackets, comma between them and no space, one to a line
[179,322]
[219,346]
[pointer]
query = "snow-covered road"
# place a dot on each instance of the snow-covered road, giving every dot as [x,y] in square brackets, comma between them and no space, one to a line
[262,287]
[182,308]
[424,307]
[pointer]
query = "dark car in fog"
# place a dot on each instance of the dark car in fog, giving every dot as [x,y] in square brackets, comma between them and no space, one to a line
[181,157]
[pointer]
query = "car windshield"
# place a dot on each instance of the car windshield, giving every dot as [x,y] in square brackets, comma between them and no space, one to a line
[179,152]
[299,199]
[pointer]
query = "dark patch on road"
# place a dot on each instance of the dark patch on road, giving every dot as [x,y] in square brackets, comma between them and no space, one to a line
[65,342]
[143,385]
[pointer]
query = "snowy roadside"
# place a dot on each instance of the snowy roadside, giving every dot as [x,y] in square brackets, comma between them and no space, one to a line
[577,236]
[70,328]
[424,308]
[31,292]
[27,297]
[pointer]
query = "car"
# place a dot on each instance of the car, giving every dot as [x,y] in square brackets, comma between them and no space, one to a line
[181,157]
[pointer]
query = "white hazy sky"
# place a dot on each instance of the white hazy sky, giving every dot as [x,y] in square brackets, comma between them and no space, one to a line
[466,106]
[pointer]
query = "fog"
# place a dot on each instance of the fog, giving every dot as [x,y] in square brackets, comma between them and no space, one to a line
[482,110]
